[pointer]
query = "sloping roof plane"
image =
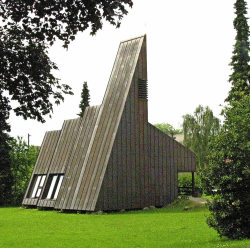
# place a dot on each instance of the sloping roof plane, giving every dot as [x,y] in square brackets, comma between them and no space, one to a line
[95,162]
[142,162]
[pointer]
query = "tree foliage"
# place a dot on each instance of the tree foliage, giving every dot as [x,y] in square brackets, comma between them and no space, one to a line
[26,77]
[167,128]
[27,84]
[27,30]
[6,179]
[185,180]
[240,78]
[85,98]
[229,170]
[4,113]
[229,173]
[17,161]
[48,20]
[5,175]
[23,158]
[198,129]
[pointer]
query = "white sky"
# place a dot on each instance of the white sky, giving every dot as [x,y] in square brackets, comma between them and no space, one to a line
[189,46]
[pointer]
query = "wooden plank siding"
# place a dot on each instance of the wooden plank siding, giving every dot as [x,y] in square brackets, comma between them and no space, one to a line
[98,153]
[150,168]
[64,200]
[61,154]
[43,162]
[113,158]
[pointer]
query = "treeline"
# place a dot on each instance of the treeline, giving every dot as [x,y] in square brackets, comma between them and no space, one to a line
[198,130]
[17,161]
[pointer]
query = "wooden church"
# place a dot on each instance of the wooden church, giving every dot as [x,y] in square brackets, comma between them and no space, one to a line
[112,158]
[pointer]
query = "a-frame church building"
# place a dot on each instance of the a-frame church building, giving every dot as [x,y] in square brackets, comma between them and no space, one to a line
[112,158]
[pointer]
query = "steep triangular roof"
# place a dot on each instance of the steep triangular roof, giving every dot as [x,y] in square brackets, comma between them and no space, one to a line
[92,170]
[112,158]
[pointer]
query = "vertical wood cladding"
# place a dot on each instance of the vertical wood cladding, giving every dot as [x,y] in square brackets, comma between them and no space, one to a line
[158,168]
[43,161]
[76,158]
[61,154]
[112,158]
[140,158]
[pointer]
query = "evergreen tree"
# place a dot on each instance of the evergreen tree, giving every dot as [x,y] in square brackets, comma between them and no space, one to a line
[229,170]
[85,99]
[240,77]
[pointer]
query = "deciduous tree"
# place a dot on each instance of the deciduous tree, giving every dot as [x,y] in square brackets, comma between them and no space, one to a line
[5,164]
[27,30]
[229,173]
[6,179]
[167,128]
[198,129]
[23,158]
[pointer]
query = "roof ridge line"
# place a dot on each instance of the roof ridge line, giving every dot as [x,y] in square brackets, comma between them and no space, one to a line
[133,38]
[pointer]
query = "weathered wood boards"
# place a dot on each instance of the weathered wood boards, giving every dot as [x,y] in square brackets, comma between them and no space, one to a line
[112,158]
[70,183]
[61,154]
[43,162]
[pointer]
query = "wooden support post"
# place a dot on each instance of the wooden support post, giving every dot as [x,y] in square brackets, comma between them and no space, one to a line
[193,186]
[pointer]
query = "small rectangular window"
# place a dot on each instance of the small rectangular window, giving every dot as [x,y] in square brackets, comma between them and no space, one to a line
[58,186]
[42,181]
[38,193]
[53,186]
[36,186]
[38,182]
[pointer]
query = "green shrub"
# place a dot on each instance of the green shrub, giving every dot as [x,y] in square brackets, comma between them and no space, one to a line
[229,173]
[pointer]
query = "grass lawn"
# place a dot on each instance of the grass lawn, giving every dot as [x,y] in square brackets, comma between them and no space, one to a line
[170,227]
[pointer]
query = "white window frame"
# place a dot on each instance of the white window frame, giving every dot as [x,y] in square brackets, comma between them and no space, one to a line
[58,187]
[52,185]
[55,185]
[40,179]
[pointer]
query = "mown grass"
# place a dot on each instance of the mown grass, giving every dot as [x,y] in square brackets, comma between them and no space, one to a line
[170,227]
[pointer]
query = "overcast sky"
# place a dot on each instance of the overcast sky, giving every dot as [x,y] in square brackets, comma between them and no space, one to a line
[189,47]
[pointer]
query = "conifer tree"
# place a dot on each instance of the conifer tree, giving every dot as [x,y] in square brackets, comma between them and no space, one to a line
[240,77]
[85,99]
[229,171]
